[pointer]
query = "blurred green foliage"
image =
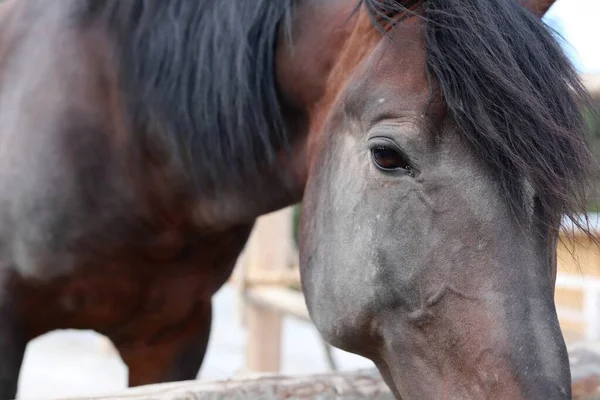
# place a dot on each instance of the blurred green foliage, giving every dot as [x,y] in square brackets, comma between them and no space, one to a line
[593,121]
[296,222]
[592,118]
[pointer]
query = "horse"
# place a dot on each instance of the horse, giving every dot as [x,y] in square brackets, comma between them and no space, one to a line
[435,145]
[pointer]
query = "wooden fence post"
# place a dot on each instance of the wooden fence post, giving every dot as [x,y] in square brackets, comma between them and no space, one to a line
[267,256]
[263,350]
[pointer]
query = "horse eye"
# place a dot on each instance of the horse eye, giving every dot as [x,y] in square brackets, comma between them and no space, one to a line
[389,159]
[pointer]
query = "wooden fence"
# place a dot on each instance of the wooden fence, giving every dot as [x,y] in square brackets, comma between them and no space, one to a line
[358,385]
[577,294]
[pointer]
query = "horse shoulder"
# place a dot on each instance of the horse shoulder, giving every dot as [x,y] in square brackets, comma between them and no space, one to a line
[61,181]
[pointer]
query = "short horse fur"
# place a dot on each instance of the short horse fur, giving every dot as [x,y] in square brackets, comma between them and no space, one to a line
[436,146]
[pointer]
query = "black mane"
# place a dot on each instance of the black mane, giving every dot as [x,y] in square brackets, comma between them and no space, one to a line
[199,78]
[513,94]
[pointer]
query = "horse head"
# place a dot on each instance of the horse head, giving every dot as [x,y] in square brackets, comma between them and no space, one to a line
[443,154]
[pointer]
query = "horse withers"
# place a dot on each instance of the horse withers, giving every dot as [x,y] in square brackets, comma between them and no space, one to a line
[436,145]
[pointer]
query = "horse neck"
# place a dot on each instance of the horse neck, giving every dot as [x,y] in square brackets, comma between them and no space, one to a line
[309,49]
[354,46]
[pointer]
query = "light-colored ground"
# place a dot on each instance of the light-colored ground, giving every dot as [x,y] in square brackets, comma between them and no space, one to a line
[79,363]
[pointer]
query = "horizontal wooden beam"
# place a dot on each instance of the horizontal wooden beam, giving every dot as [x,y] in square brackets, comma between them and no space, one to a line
[351,385]
[365,384]
[278,299]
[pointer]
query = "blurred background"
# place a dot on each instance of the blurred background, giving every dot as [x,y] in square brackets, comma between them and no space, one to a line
[260,324]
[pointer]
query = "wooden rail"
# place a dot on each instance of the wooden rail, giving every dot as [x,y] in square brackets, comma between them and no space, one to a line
[357,385]
[279,300]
